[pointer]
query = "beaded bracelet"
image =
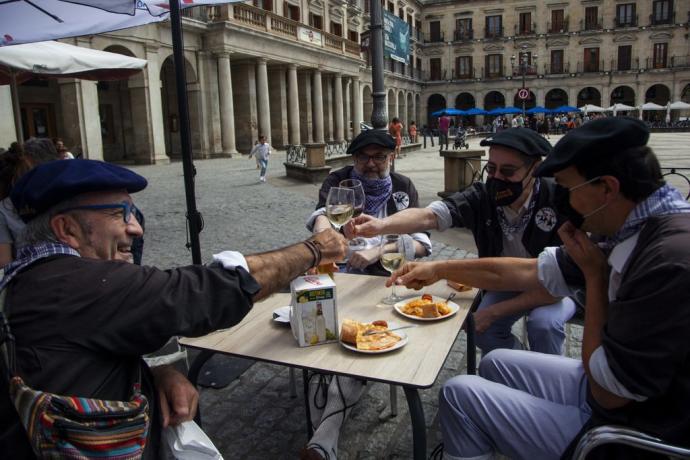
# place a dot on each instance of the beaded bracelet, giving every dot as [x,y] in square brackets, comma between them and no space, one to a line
[315,251]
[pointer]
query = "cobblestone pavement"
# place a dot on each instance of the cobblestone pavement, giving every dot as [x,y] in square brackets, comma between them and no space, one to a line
[254,417]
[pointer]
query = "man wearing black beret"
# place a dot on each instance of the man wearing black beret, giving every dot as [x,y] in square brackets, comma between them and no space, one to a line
[512,214]
[635,367]
[82,314]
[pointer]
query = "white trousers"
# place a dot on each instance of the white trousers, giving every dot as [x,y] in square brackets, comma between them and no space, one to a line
[523,404]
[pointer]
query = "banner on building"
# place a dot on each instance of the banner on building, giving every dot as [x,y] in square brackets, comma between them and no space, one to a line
[396,38]
[310,36]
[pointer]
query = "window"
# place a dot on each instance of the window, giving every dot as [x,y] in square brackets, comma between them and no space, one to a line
[401,13]
[463,29]
[525,27]
[556,61]
[336,29]
[661,12]
[291,11]
[494,26]
[660,52]
[264,4]
[391,8]
[353,35]
[494,65]
[591,18]
[316,21]
[435,31]
[624,57]
[435,69]
[557,22]
[463,67]
[591,60]
[625,15]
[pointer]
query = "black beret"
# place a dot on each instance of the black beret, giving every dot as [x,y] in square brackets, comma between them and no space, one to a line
[524,140]
[50,183]
[371,137]
[597,138]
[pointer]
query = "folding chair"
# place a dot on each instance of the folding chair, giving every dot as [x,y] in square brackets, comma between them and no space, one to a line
[613,434]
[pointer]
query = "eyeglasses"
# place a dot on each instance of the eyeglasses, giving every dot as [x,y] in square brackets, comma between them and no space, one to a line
[506,171]
[364,158]
[127,209]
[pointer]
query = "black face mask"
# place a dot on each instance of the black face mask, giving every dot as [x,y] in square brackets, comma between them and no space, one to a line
[502,192]
[561,199]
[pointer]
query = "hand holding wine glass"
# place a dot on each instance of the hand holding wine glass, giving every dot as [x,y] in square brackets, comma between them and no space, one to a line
[392,257]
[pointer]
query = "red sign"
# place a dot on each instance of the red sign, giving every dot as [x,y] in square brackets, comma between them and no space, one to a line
[523,93]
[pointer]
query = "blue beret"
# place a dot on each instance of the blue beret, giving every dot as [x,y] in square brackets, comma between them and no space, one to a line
[371,137]
[595,139]
[524,140]
[50,183]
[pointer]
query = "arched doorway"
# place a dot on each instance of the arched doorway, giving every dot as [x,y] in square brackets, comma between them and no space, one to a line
[623,95]
[40,104]
[493,100]
[171,116]
[401,108]
[685,94]
[391,105]
[466,101]
[588,95]
[658,94]
[529,103]
[434,103]
[555,98]
[115,102]
[367,104]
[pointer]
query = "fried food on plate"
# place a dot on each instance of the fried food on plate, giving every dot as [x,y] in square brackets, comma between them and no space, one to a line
[425,307]
[352,332]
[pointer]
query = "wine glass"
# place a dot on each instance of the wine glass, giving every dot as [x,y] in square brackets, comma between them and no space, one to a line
[340,205]
[360,197]
[392,257]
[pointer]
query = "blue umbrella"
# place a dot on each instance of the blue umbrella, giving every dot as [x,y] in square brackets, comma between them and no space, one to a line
[565,109]
[496,111]
[511,110]
[441,112]
[475,111]
[538,109]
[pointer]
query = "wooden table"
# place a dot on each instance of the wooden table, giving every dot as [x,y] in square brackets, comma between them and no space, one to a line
[414,366]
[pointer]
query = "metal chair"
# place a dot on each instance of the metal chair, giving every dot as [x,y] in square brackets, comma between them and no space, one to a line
[613,434]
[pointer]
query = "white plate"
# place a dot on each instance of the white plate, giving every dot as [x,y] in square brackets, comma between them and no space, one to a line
[453,308]
[403,341]
[282,315]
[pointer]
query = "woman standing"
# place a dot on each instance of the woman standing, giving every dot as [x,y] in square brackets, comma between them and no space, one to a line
[395,130]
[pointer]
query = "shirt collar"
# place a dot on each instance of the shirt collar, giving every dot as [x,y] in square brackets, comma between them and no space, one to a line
[621,253]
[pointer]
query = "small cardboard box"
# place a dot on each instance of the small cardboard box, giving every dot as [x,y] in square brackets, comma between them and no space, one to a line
[313,314]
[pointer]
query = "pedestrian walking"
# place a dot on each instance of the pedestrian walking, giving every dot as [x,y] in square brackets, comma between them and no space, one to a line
[262,151]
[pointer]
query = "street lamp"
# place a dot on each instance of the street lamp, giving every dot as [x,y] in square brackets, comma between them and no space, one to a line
[523,65]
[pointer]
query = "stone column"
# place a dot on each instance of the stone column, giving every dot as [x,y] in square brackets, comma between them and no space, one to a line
[339,108]
[277,94]
[328,107]
[415,116]
[317,104]
[227,111]
[7,128]
[306,118]
[262,99]
[293,105]
[80,117]
[357,110]
[347,108]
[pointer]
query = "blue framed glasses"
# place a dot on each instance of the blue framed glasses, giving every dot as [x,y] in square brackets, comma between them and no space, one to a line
[127,209]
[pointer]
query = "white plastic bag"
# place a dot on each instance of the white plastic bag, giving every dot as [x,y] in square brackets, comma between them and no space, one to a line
[187,441]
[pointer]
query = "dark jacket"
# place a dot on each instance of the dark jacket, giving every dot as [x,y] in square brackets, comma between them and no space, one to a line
[473,209]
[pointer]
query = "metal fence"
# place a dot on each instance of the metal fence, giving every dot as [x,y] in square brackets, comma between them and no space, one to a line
[336,149]
[296,154]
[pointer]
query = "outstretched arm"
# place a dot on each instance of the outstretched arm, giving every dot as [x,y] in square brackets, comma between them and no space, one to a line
[410,220]
[523,302]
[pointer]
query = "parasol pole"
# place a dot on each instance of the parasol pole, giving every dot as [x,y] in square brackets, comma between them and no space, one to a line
[193,216]
[15,106]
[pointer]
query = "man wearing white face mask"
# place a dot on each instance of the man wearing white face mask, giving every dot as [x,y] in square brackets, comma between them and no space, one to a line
[511,215]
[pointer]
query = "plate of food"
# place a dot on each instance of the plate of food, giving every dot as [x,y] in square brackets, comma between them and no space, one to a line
[353,336]
[426,308]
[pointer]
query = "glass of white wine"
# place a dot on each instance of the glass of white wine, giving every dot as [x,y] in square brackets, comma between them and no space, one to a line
[392,258]
[340,206]
[360,199]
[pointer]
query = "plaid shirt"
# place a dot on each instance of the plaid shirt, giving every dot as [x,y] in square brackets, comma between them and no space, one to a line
[26,255]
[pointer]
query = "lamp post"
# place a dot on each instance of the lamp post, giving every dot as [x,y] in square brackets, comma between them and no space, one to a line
[378,115]
[523,59]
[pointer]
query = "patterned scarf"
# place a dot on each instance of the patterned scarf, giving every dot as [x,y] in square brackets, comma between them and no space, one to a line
[26,255]
[520,224]
[376,192]
[664,201]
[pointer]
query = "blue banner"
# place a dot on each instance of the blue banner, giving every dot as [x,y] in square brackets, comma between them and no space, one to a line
[396,38]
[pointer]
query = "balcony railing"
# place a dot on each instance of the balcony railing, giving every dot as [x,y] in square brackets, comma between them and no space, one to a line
[530,70]
[621,22]
[591,25]
[551,68]
[651,63]
[435,76]
[680,61]
[557,27]
[463,35]
[660,20]
[530,30]
[590,67]
[493,32]
[278,25]
[416,34]
[434,38]
[631,65]
[465,75]
[492,74]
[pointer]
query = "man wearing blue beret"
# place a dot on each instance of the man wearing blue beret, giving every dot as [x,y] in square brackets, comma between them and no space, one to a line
[635,367]
[83,315]
[512,214]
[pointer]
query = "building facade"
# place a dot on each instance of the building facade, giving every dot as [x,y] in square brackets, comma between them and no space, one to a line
[298,71]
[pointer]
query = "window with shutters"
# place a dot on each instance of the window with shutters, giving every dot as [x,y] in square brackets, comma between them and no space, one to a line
[463,67]
[556,61]
[660,53]
[435,69]
[494,65]
[624,57]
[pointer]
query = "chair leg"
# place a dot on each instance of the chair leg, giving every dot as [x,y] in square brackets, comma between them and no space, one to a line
[292,384]
[394,400]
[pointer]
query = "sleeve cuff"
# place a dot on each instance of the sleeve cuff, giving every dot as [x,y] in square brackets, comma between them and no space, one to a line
[443,218]
[603,375]
[550,275]
[312,218]
[230,260]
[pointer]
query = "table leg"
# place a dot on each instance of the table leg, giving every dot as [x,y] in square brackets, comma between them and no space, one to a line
[418,425]
[305,383]
[471,347]
[193,375]
[394,401]
[292,384]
